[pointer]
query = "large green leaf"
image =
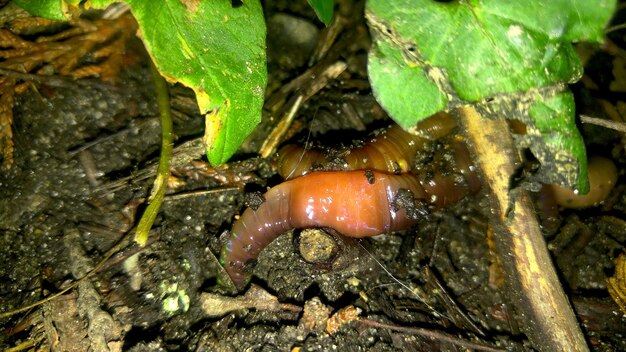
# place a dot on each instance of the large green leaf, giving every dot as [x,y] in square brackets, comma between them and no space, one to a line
[447,54]
[212,47]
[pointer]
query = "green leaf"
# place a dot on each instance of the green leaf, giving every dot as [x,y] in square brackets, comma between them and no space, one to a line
[448,54]
[219,52]
[43,8]
[554,139]
[404,90]
[483,48]
[323,9]
[213,48]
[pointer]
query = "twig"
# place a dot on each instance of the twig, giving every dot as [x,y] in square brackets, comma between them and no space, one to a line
[434,334]
[21,347]
[163,171]
[614,125]
[617,27]
[192,194]
[534,286]
[456,315]
[319,81]
[315,78]
[275,137]
[328,38]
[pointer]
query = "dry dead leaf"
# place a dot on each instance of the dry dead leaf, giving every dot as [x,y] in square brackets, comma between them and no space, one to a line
[617,283]
[30,53]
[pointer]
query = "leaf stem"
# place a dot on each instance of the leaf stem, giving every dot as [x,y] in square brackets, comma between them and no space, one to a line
[163,172]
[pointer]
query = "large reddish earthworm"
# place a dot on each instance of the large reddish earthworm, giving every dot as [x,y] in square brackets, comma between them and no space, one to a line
[391,151]
[356,203]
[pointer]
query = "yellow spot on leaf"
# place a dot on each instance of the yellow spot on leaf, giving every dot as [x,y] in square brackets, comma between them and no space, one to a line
[204,101]
[71,10]
[212,128]
[190,5]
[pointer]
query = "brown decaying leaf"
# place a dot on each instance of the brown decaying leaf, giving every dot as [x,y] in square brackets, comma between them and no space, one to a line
[77,49]
[617,283]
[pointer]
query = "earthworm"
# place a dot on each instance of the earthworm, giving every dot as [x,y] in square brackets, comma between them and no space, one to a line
[391,151]
[602,178]
[355,203]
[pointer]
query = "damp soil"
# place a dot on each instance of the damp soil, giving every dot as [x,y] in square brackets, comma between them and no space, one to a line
[85,154]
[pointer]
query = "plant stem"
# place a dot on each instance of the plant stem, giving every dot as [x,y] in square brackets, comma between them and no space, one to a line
[163,172]
[531,278]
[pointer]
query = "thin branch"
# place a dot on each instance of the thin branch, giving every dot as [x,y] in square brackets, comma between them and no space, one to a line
[534,287]
[434,334]
[614,125]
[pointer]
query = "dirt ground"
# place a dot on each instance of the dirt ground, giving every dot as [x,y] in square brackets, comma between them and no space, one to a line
[84,159]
